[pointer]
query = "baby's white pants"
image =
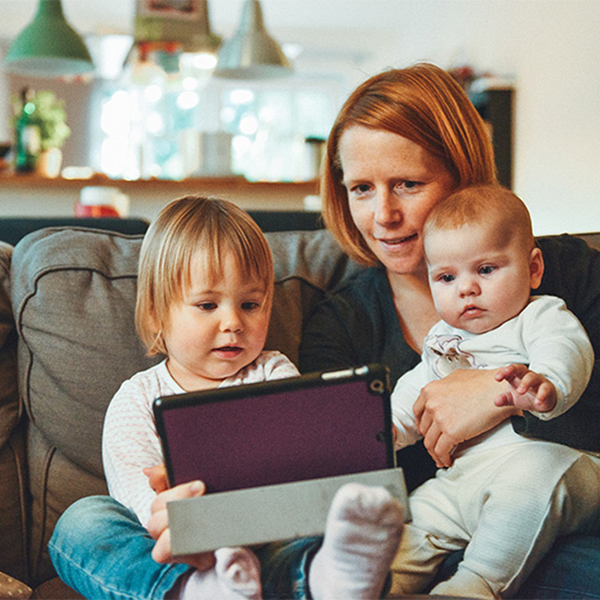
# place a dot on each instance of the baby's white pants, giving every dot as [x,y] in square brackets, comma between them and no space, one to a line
[506,505]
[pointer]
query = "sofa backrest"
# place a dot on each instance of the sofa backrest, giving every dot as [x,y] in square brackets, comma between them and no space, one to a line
[73,298]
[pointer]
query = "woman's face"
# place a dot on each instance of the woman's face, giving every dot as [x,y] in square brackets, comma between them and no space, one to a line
[392,184]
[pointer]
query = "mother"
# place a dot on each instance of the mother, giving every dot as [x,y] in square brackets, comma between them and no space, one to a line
[404,140]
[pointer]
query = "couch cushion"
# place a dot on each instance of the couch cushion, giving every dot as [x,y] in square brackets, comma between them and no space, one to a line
[73,300]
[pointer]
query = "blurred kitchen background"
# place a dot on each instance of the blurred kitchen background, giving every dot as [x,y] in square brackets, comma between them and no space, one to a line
[159,113]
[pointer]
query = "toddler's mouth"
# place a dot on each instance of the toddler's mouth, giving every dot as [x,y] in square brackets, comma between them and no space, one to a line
[228,351]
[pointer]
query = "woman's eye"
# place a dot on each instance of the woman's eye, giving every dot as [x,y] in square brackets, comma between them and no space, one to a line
[407,185]
[360,190]
[487,269]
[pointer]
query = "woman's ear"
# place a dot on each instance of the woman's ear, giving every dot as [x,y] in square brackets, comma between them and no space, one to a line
[536,268]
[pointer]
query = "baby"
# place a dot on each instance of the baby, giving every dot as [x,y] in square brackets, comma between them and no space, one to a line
[506,498]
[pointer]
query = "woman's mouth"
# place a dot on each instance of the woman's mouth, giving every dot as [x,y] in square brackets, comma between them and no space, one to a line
[398,241]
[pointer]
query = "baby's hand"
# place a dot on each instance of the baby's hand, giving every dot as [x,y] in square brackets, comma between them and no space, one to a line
[529,391]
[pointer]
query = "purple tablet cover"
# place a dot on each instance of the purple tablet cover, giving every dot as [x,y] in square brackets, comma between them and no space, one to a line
[277,432]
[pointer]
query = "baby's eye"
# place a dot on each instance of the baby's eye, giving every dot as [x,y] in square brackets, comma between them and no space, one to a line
[487,269]
[446,278]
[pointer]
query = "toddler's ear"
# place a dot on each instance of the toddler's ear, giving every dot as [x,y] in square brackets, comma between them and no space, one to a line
[536,268]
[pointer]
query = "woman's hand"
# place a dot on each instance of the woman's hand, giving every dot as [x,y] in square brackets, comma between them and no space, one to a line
[158,525]
[457,408]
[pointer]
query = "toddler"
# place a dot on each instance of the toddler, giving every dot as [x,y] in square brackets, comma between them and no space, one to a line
[505,498]
[205,290]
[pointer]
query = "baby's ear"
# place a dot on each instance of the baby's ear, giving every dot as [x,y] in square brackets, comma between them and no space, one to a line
[536,268]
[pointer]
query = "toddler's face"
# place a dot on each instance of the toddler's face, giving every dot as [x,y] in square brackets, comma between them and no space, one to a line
[479,280]
[217,328]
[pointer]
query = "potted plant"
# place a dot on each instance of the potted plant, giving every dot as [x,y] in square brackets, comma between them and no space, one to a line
[46,113]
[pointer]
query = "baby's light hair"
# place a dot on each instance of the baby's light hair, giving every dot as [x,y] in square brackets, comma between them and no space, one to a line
[217,228]
[484,205]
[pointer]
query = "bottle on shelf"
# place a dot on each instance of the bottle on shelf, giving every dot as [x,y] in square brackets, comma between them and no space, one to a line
[27,135]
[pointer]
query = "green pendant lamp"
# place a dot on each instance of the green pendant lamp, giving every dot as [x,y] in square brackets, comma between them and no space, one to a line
[49,46]
[252,53]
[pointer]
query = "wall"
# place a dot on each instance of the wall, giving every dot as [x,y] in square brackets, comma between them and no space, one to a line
[551,48]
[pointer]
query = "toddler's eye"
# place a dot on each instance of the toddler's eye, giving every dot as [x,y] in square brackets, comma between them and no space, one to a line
[250,305]
[447,278]
[207,306]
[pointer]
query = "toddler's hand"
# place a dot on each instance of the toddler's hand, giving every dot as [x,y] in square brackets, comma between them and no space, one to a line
[529,390]
[157,478]
[158,527]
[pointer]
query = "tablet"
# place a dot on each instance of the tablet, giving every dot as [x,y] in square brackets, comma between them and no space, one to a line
[308,427]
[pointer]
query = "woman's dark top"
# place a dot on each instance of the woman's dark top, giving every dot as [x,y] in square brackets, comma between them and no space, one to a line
[358,324]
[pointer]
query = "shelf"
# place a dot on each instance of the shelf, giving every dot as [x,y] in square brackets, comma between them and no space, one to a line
[33,195]
[236,183]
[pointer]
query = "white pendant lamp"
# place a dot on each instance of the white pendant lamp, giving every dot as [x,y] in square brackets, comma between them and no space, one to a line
[252,53]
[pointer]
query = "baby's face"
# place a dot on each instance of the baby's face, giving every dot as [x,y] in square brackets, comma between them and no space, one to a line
[479,280]
[217,328]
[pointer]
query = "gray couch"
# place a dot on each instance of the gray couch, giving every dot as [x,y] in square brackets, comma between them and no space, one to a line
[66,319]
[67,341]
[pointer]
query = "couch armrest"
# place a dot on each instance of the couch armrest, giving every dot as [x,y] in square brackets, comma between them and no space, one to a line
[10,410]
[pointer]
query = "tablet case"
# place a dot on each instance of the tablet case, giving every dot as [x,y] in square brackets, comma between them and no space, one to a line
[264,514]
[308,427]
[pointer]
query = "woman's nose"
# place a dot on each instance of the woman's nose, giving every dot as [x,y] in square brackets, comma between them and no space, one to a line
[387,210]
